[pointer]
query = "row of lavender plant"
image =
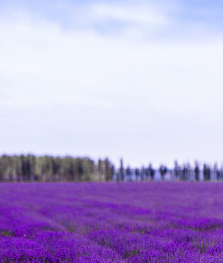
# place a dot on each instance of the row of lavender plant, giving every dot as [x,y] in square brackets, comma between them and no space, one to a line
[108,222]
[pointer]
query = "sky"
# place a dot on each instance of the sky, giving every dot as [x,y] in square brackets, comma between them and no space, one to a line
[139,80]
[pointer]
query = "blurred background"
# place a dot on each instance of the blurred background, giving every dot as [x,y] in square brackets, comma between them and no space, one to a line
[140,80]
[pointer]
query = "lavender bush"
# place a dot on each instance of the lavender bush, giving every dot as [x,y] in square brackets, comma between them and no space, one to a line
[111,222]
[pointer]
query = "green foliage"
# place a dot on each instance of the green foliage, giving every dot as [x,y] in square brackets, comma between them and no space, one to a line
[5,233]
[48,168]
[108,170]
[100,170]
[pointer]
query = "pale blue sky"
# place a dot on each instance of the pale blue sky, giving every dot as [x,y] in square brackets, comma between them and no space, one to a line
[140,80]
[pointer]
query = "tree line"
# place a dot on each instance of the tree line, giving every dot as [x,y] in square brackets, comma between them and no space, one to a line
[46,168]
[184,172]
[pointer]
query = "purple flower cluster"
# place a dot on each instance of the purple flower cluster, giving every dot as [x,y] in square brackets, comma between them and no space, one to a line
[111,222]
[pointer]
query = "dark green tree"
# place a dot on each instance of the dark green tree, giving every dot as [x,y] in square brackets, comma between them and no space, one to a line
[99,170]
[128,173]
[163,171]
[196,171]
[108,170]
[121,170]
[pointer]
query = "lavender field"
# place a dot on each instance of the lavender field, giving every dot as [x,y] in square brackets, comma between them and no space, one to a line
[111,222]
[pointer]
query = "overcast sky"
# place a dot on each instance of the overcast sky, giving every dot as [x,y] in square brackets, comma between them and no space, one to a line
[141,80]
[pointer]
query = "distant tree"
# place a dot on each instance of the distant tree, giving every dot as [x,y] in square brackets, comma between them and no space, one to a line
[47,168]
[108,170]
[27,167]
[1,169]
[206,172]
[128,173]
[56,167]
[31,159]
[88,166]
[186,172]
[143,173]
[80,169]
[151,172]
[177,170]
[6,168]
[137,173]
[38,173]
[17,168]
[163,171]
[221,172]
[196,171]
[121,170]
[112,171]
[217,172]
[68,169]
[99,169]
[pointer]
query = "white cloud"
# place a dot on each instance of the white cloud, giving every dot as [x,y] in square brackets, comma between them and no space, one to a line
[78,67]
[141,14]
[148,87]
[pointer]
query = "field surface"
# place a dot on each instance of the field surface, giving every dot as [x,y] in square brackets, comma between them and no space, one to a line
[111,222]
